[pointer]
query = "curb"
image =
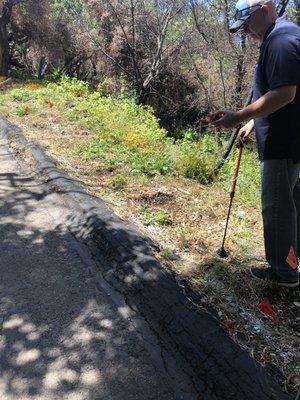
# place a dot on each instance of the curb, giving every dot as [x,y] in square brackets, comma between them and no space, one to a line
[218,367]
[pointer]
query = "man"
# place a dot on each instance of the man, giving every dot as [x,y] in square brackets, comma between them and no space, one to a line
[275,114]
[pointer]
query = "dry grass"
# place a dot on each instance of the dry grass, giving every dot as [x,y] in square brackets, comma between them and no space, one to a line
[189,229]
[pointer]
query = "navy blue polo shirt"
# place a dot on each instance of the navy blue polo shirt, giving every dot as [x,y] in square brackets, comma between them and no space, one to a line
[278,135]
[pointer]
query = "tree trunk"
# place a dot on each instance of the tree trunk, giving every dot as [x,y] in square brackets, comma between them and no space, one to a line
[4,50]
[4,44]
[42,67]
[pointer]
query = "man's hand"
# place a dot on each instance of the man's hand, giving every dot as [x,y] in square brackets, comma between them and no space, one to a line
[224,119]
[262,107]
[245,131]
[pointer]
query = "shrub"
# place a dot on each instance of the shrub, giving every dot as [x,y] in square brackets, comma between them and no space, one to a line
[197,159]
[248,184]
[21,94]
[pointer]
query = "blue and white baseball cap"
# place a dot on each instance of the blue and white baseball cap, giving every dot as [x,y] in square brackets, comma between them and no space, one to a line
[243,10]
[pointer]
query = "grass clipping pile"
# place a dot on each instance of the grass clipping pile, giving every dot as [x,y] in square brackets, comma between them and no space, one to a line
[187,220]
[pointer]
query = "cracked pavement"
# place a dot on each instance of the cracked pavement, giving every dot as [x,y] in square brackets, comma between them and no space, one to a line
[62,335]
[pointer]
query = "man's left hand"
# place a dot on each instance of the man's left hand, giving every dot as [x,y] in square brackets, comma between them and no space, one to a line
[225,119]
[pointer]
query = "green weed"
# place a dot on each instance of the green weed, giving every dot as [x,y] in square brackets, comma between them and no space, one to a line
[155,218]
[166,253]
[118,182]
[22,111]
[183,240]
[21,94]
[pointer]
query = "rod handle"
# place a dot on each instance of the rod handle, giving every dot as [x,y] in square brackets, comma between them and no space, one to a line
[236,172]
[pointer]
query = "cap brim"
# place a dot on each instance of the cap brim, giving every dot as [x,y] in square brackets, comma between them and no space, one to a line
[236,26]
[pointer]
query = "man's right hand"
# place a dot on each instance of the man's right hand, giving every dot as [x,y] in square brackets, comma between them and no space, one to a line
[245,131]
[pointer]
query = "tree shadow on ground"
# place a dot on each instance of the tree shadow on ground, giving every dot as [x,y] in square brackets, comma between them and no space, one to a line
[60,338]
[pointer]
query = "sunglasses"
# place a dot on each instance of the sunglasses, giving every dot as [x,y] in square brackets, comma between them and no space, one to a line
[245,13]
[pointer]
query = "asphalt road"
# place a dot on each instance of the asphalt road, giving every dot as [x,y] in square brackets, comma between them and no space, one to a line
[63,333]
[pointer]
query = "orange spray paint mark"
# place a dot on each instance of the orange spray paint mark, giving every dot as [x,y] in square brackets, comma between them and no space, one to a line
[292,259]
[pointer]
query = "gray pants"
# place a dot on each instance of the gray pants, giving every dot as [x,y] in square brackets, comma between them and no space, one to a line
[281,215]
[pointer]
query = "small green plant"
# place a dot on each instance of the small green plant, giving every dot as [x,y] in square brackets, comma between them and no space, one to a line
[166,253]
[118,182]
[76,152]
[22,111]
[182,233]
[20,94]
[155,218]
[56,75]
[163,218]
[73,86]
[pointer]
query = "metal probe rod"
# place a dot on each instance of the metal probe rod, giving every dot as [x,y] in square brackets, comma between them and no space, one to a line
[233,187]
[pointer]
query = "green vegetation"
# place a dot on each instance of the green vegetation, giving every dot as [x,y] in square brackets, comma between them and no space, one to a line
[248,186]
[166,253]
[20,94]
[118,182]
[128,137]
[155,218]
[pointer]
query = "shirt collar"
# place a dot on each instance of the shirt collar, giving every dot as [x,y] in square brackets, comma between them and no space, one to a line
[269,30]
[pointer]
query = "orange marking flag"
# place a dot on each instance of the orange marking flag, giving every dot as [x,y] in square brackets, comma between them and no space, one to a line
[266,307]
[292,259]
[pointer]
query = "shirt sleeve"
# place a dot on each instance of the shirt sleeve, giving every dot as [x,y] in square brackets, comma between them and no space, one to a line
[283,61]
